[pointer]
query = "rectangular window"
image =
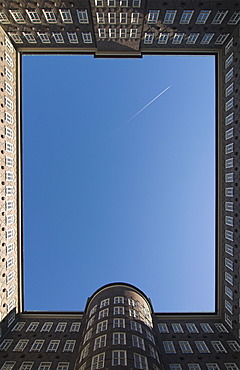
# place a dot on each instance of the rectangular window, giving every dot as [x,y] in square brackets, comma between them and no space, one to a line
[87,37]
[88,335]
[8,74]
[8,88]
[93,310]
[229,220]
[202,347]
[100,18]
[53,346]
[194,367]
[186,16]
[47,326]
[148,38]
[163,38]
[119,358]
[192,38]
[169,16]
[153,16]
[228,247]
[221,328]
[118,300]
[221,38]
[133,33]
[136,326]
[37,345]
[50,16]
[99,3]
[61,326]
[124,3]
[229,61]
[229,90]
[219,348]
[169,347]
[3,18]
[112,33]
[58,37]
[8,365]
[123,18]
[33,16]
[118,323]
[134,18]
[33,326]
[119,338]
[21,344]
[100,342]
[75,327]
[9,132]
[229,206]
[9,205]
[8,117]
[162,327]
[69,346]
[101,326]
[112,18]
[219,17]
[111,3]
[235,346]
[98,361]
[140,362]
[185,347]
[229,134]
[6,343]
[63,366]
[9,221]
[29,37]
[44,366]
[66,15]
[103,313]
[9,177]
[18,326]
[9,262]
[85,352]
[212,367]
[10,234]
[9,190]
[10,277]
[83,16]
[118,310]
[234,18]
[136,3]
[178,37]
[72,37]
[231,366]
[203,16]
[207,38]
[138,342]
[26,365]
[229,75]
[8,103]
[177,328]
[17,16]
[229,104]
[10,291]
[175,367]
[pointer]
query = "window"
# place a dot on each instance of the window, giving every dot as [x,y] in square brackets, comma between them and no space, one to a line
[111,2]
[169,16]
[100,342]
[191,328]
[17,16]
[58,37]
[9,147]
[8,365]
[212,367]
[169,347]
[69,346]
[10,247]
[101,326]
[228,247]
[53,346]
[8,74]
[203,16]
[133,313]
[228,150]
[229,134]
[119,358]
[9,190]
[119,338]
[185,347]
[112,33]
[136,3]
[16,38]
[234,18]
[10,277]
[6,343]
[8,88]
[229,104]
[178,37]
[61,326]
[192,38]
[8,117]
[50,16]
[138,342]
[175,367]
[153,353]
[229,61]
[9,177]
[186,16]
[83,16]
[100,18]
[111,20]
[134,18]
[33,326]
[93,310]
[194,367]
[229,90]
[9,262]
[85,352]
[44,366]
[229,278]
[9,221]
[87,37]
[148,38]
[10,291]
[228,306]
[99,2]
[10,234]
[217,345]
[235,346]
[177,328]
[66,15]
[140,362]
[3,18]
[123,3]
[202,347]
[231,366]
[103,313]
[229,263]
[221,38]
[75,327]
[29,37]
[133,33]
[150,336]
[90,322]
[8,59]
[37,345]
[207,38]
[163,328]
[46,326]
[102,32]
[63,366]
[118,310]
[153,16]
[219,17]
[8,103]
[98,361]
[118,300]
[163,38]
[136,326]
[18,326]
[229,75]
[44,37]
[10,305]
[221,328]
[118,323]
[228,320]
[229,206]
[72,37]
[26,365]
[229,220]
[21,344]
[123,18]
[33,16]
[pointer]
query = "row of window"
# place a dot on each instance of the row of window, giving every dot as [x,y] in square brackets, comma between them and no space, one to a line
[229,178]
[209,366]
[37,345]
[28,365]
[120,323]
[47,326]
[45,38]
[201,346]
[177,38]
[119,339]
[192,328]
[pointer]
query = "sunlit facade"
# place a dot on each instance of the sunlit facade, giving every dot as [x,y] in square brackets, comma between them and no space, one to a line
[121,28]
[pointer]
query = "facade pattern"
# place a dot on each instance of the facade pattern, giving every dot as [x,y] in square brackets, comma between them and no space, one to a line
[118,326]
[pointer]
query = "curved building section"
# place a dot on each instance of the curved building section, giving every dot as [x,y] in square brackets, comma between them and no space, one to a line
[118,330]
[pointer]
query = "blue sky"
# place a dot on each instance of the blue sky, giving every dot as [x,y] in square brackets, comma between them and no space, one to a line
[107,199]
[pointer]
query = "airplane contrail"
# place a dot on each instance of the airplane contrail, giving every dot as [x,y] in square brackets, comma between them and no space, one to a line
[145,106]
